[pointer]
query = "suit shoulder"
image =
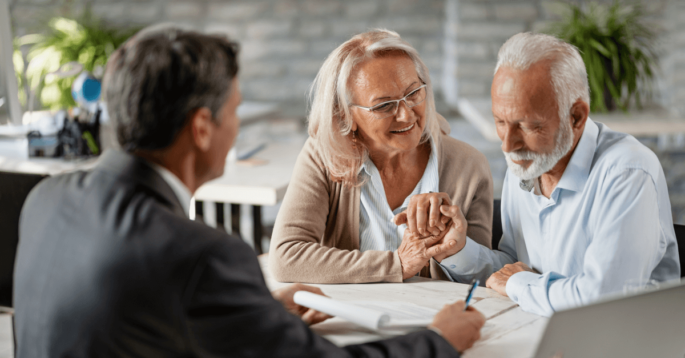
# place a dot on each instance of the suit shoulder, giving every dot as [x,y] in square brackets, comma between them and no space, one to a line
[48,189]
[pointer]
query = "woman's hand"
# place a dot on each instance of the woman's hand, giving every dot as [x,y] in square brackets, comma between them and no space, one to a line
[423,214]
[453,239]
[308,315]
[416,251]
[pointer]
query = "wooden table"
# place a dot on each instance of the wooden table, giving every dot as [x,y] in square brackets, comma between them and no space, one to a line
[508,332]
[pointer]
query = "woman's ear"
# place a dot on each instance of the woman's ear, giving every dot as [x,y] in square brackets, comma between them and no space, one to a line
[354,126]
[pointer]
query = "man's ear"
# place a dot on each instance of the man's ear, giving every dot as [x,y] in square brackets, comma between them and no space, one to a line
[202,128]
[579,113]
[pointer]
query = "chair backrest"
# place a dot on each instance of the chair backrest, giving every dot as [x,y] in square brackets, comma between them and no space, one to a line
[680,238]
[14,188]
[496,224]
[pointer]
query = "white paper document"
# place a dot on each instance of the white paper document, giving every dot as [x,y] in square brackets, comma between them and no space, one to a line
[375,315]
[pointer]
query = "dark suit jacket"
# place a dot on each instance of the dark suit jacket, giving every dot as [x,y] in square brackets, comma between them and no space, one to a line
[108,265]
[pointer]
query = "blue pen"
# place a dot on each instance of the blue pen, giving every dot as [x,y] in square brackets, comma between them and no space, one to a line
[474,284]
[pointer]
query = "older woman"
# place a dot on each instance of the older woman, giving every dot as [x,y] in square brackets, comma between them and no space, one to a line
[375,140]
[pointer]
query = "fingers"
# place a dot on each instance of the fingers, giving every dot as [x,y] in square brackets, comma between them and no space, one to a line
[450,211]
[459,305]
[400,218]
[311,289]
[421,218]
[436,202]
[411,216]
[431,240]
[313,317]
[438,249]
[490,281]
[480,315]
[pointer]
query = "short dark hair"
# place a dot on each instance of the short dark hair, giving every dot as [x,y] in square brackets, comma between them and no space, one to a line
[156,79]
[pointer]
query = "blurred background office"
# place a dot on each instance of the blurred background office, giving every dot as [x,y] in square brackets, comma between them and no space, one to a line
[634,50]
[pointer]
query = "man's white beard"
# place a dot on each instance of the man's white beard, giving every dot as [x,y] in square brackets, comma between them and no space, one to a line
[542,162]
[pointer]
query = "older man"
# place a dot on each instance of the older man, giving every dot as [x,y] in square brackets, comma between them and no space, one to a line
[585,209]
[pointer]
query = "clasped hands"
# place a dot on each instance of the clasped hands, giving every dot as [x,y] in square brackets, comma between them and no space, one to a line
[435,229]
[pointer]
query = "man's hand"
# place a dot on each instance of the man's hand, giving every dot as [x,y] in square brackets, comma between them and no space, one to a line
[308,315]
[415,252]
[423,214]
[454,237]
[460,328]
[498,280]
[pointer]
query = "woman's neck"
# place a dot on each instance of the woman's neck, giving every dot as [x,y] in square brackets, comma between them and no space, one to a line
[396,160]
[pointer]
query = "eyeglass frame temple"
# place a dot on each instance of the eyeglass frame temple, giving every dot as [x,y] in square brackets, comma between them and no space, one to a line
[394,100]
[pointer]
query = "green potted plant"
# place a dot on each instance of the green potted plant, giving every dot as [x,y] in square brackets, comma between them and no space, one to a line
[86,41]
[617,48]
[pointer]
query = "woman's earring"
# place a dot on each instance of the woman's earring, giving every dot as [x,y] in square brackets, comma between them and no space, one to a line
[354,139]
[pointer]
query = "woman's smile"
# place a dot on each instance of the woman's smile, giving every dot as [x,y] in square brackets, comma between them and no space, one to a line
[405,130]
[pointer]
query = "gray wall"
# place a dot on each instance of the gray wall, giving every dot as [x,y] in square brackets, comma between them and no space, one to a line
[481,26]
[284,42]
[672,47]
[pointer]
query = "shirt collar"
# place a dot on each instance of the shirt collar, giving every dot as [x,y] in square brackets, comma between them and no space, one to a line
[181,191]
[578,168]
[429,182]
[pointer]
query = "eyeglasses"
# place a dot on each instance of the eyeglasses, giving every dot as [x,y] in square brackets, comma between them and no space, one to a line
[389,108]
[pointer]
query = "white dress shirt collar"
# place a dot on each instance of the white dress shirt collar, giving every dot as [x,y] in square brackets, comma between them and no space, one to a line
[182,193]
[578,168]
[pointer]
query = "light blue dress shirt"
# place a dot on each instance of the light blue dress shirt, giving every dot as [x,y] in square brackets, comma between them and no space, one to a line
[376,229]
[607,221]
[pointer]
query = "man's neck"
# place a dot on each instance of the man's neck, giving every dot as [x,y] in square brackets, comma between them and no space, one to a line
[181,164]
[549,180]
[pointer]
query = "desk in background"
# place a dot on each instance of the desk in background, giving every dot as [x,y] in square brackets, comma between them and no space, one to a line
[509,331]
[253,185]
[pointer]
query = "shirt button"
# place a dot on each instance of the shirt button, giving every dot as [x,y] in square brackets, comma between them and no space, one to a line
[453,266]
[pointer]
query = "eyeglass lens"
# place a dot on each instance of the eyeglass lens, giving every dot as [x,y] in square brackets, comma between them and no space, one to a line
[389,108]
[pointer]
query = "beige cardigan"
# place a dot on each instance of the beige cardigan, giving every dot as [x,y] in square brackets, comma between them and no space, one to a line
[316,235]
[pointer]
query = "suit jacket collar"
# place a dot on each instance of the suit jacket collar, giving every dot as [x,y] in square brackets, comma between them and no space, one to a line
[135,169]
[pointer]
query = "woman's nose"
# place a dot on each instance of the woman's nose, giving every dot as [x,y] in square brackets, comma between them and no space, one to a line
[404,113]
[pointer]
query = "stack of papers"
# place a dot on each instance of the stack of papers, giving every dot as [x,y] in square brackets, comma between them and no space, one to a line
[375,315]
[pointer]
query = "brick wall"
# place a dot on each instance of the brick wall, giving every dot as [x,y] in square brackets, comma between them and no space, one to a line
[672,48]
[477,29]
[284,42]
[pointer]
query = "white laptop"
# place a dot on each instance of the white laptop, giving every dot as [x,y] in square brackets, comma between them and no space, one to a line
[651,324]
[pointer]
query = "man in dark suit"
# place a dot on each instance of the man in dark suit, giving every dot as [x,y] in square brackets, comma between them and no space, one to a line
[109,265]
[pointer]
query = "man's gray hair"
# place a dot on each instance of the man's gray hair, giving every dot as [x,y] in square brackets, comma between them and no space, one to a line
[568,73]
[159,77]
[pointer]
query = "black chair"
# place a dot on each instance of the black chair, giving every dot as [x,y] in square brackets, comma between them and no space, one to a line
[14,188]
[497,234]
[680,239]
[496,224]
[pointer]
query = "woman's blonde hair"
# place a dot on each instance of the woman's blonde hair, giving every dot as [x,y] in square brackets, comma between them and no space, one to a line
[330,120]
